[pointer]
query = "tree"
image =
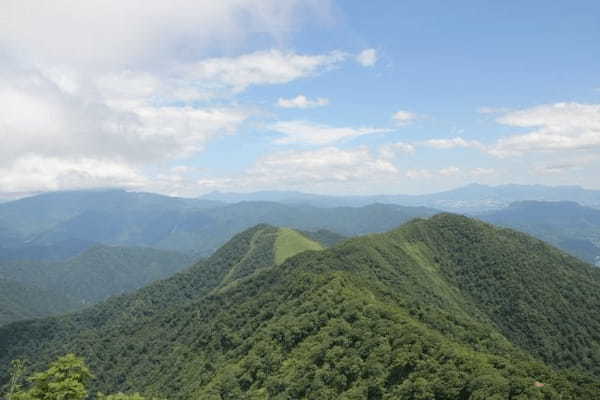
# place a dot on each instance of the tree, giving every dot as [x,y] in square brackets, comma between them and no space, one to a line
[65,379]
[16,374]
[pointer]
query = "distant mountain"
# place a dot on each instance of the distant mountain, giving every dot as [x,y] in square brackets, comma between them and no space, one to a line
[567,225]
[60,225]
[445,308]
[99,272]
[466,199]
[19,301]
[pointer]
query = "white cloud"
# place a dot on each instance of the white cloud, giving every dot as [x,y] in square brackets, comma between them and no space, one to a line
[99,91]
[302,101]
[102,34]
[32,173]
[475,172]
[71,126]
[452,143]
[367,57]
[556,127]
[449,171]
[391,150]
[258,68]
[403,117]
[325,168]
[317,134]
[493,110]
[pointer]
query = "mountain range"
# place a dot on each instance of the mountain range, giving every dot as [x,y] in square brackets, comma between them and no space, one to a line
[61,225]
[446,308]
[473,198]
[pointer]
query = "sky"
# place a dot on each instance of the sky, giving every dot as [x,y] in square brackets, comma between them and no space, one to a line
[187,97]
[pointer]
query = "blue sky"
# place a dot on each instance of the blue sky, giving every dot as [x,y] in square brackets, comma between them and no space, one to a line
[328,97]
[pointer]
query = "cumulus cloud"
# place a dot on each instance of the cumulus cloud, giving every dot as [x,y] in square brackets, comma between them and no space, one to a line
[324,167]
[493,110]
[258,68]
[556,127]
[456,142]
[66,126]
[33,173]
[391,150]
[447,172]
[93,93]
[103,34]
[367,57]
[317,134]
[403,117]
[302,101]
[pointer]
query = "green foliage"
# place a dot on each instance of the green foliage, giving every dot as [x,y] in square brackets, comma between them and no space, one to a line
[15,381]
[19,301]
[99,272]
[290,242]
[65,379]
[567,225]
[445,308]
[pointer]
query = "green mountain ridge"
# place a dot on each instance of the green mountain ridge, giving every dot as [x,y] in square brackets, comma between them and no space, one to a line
[19,301]
[442,308]
[98,272]
[566,224]
[74,221]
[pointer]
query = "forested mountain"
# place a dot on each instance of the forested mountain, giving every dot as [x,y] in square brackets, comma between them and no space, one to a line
[19,301]
[466,199]
[98,272]
[567,225]
[61,225]
[445,308]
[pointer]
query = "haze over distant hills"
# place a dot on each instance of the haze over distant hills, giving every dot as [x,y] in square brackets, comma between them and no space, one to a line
[63,224]
[470,198]
[448,306]
[566,224]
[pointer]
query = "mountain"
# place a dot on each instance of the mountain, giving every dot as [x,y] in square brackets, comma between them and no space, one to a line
[568,225]
[467,199]
[18,301]
[98,272]
[60,225]
[444,308]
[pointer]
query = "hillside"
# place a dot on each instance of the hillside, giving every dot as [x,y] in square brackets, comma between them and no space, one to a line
[75,221]
[568,225]
[99,272]
[18,302]
[442,308]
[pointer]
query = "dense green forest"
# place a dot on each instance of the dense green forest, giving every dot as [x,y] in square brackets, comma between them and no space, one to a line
[444,308]
[19,301]
[99,272]
[567,225]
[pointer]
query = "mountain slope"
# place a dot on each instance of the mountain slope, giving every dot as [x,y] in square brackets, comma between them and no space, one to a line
[18,302]
[98,272]
[567,225]
[439,308]
[78,220]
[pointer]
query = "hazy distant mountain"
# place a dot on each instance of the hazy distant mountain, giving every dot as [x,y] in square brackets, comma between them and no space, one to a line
[567,225]
[73,221]
[470,198]
[446,308]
